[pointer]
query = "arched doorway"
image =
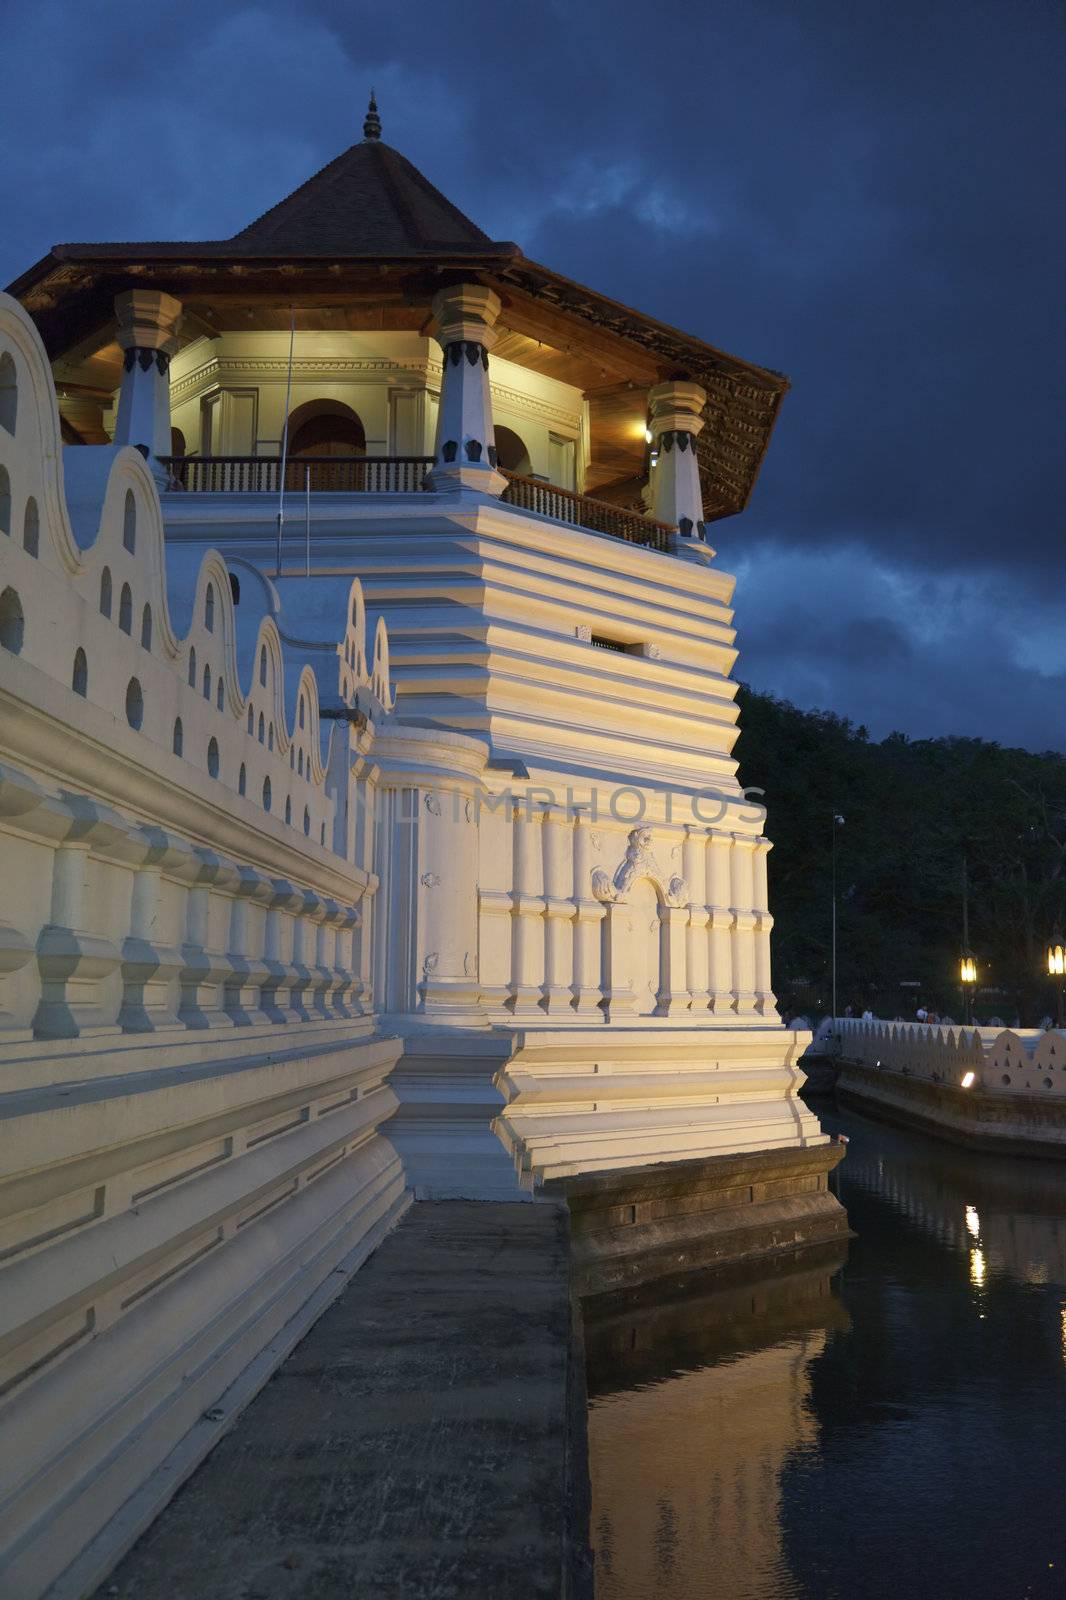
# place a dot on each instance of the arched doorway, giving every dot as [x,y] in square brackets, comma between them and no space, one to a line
[328,434]
[326,428]
[511,453]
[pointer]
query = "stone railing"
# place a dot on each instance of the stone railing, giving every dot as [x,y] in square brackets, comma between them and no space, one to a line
[192,1086]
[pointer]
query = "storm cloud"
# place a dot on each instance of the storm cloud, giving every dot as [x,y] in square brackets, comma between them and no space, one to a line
[866,196]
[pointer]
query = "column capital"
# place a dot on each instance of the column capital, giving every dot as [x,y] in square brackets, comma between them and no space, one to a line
[465,313]
[676,406]
[148,320]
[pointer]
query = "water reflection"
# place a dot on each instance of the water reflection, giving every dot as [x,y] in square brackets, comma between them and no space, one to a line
[896,1430]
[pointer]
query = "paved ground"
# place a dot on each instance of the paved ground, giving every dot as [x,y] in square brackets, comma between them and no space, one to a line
[414,1445]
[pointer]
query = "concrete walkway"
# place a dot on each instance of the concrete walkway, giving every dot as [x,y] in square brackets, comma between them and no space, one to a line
[417,1444]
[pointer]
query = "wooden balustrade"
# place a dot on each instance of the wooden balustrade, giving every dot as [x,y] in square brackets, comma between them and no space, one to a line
[563,505]
[328,474]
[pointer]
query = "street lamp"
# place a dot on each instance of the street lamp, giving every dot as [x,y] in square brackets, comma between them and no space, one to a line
[968,979]
[1056,967]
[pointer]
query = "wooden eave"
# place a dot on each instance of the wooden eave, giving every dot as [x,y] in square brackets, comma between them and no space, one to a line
[70,294]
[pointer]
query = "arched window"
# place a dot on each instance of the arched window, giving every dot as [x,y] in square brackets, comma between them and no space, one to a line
[146,628]
[207,683]
[251,719]
[177,443]
[301,711]
[31,528]
[209,608]
[266,794]
[5,501]
[134,704]
[322,834]
[263,665]
[292,758]
[79,681]
[235,588]
[300,765]
[220,694]
[511,452]
[178,744]
[212,757]
[192,668]
[129,522]
[105,592]
[262,728]
[288,808]
[270,737]
[242,780]
[125,609]
[12,622]
[307,821]
[9,393]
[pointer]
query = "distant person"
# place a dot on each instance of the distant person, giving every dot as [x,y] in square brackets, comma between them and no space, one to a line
[922,1014]
[867,1015]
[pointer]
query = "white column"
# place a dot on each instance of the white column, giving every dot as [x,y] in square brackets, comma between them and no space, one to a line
[558,910]
[766,1000]
[588,914]
[277,948]
[527,938]
[720,925]
[148,324]
[463,325]
[676,420]
[744,920]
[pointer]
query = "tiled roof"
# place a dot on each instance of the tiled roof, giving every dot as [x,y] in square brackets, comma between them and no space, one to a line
[369,201]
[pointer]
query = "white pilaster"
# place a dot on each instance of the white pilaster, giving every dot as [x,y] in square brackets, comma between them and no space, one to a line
[720,924]
[527,939]
[744,922]
[558,910]
[766,1000]
[588,914]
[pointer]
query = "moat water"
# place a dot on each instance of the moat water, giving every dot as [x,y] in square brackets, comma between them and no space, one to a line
[888,1421]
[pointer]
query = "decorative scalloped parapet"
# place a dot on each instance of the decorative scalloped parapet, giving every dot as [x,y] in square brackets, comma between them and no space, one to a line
[84,598]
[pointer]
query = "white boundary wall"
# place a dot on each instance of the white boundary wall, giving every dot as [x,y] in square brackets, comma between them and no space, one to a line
[192,1083]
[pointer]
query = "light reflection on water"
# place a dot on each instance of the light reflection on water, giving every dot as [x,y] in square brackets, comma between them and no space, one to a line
[895,1429]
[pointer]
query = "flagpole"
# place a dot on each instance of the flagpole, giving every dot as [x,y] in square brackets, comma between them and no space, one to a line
[285,437]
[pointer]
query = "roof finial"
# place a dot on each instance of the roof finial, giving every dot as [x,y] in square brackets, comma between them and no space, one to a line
[372,125]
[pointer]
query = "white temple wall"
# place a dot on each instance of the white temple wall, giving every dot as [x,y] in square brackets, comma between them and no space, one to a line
[193,1092]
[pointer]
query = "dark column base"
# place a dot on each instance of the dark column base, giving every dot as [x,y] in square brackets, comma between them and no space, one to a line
[635,1226]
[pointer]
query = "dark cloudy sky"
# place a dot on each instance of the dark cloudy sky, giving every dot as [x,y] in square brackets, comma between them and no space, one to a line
[865,194]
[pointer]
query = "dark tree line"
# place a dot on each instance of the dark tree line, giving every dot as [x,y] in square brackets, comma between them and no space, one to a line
[914,811]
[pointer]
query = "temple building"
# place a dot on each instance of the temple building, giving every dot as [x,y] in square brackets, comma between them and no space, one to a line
[367,791]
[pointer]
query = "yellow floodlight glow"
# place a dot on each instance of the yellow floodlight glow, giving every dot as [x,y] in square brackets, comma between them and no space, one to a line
[968,1080]
[1056,961]
[968,970]
[973,1221]
[647,436]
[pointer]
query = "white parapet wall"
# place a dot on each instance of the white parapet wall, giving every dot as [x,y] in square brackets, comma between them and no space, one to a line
[194,1088]
[990,1088]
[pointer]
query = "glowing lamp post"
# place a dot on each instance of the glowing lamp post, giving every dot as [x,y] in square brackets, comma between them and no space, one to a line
[1056,967]
[968,979]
